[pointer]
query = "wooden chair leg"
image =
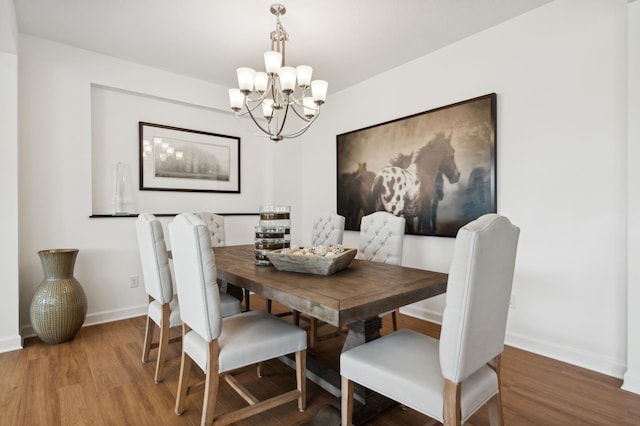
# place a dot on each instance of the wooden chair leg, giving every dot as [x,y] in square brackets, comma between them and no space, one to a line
[313,333]
[163,344]
[301,378]
[269,303]
[148,337]
[495,404]
[212,381]
[183,382]
[346,401]
[452,412]
[394,320]
[495,410]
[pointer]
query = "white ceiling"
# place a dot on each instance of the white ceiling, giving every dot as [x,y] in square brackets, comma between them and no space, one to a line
[345,41]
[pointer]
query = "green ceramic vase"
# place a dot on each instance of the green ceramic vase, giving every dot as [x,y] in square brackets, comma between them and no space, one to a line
[59,305]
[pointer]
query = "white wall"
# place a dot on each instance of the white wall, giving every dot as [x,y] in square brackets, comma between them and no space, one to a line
[9,308]
[560,76]
[114,124]
[632,375]
[60,116]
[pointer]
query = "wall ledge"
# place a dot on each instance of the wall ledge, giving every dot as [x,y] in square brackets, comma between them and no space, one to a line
[135,215]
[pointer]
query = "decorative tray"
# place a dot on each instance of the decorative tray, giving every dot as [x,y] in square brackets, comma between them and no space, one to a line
[311,263]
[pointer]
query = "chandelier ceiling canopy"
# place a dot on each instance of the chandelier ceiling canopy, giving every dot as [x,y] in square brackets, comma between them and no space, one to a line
[270,97]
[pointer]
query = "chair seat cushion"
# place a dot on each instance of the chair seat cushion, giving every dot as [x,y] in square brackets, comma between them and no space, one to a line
[230,305]
[155,312]
[405,366]
[248,338]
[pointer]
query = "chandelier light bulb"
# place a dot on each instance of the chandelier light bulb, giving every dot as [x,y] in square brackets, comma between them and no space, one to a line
[267,108]
[236,99]
[303,73]
[261,82]
[245,79]
[309,107]
[319,91]
[287,77]
[272,62]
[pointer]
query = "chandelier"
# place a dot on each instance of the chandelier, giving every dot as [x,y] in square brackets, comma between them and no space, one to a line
[274,94]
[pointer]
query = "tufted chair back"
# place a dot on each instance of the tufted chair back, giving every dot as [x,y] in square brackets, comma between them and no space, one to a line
[154,258]
[195,272]
[327,230]
[381,238]
[478,291]
[215,225]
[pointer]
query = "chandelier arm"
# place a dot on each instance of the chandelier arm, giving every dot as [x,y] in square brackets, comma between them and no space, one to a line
[301,131]
[246,105]
[302,116]
[284,120]
[267,130]
[299,100]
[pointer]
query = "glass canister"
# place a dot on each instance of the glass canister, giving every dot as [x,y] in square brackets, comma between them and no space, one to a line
[268,238]
[273,216]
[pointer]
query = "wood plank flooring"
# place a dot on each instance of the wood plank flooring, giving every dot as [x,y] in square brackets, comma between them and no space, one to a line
[98,379]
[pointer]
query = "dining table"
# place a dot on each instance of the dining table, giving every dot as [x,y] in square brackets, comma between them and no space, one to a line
[353,297]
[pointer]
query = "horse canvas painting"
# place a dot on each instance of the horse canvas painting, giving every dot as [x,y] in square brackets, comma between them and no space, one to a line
[437,169]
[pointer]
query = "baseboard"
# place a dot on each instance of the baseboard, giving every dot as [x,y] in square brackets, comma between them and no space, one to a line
[421,313]
[604,365]
[9,344]
[631,383]
[98,318]
[116,315]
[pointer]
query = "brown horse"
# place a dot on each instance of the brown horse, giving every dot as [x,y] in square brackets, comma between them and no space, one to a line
[401,160]
[355,196]
[431,162]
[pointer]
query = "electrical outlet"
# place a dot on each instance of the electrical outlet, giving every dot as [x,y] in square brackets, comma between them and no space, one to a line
[134,281]
[512,302]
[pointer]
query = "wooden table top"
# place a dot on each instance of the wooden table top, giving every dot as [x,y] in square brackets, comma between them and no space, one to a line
[362,290]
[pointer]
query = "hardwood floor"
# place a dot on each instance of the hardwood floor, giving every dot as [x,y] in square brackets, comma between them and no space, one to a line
[98,379]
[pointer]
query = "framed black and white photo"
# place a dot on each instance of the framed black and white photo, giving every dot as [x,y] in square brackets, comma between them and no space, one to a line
[437,168]
[175,159]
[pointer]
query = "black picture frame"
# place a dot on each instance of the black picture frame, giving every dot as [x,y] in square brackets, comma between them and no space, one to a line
[436,168]
[177,159]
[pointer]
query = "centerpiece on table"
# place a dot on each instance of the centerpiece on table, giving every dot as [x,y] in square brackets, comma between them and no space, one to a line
[318,260]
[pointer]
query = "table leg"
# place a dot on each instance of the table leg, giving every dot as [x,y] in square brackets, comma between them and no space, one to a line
[367,404]
[362,331]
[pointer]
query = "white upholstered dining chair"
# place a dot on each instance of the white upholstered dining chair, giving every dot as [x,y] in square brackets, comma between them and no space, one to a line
[448,379]
[215,225]
[381,240]
[219,345]
[163,310]
[327,230]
